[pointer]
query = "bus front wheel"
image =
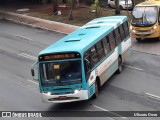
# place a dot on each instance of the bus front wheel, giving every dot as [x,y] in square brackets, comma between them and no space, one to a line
[96,90]
[119,70]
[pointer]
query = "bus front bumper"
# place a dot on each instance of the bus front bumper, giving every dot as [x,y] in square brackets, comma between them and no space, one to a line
[76,96]
[148,34]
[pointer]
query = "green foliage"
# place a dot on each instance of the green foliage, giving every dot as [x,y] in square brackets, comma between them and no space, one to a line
[95,8]
[95,4]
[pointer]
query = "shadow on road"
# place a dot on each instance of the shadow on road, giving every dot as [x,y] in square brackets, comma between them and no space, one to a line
[153,40]
[72,106]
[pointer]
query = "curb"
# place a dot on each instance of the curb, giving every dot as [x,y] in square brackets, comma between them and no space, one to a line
[38,22]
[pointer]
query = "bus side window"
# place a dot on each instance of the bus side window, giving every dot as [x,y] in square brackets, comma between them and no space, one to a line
[121,29]
[126,29]
[100,50]
[106,45]
[87,63]
[117,36]
[94,56]
[112,40]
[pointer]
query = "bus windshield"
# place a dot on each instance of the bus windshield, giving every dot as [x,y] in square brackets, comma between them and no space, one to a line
[144,16]
[60,73]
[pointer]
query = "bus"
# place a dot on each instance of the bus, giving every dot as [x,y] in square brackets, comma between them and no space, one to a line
[76,66]
[146,20]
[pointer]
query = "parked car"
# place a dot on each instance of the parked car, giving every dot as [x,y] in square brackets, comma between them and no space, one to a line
[122,4]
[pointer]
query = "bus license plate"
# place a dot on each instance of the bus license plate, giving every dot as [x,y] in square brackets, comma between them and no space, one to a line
[62,97]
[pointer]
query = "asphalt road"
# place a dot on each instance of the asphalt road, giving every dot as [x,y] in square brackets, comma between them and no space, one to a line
[135,89]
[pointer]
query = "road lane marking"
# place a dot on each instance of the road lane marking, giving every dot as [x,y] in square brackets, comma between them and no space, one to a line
[108,111]
[24,37]
[33,82]
[28,56]
[153,96]
[134,67]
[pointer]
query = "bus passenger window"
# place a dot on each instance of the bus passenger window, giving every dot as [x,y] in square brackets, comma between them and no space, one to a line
[112,40]
[117,36]
[121,29]
[87,56]
[87,63]
[94,56]
[126,29]
[106,45]
[100,50]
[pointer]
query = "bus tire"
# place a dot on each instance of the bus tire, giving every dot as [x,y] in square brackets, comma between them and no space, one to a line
[138,39]
[119,70]
[95,95]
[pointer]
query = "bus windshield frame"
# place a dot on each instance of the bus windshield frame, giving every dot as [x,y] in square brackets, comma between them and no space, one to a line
[145,16]
[61,72]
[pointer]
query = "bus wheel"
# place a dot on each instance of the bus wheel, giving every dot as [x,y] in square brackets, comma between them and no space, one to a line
[138,39]
[96,90]
[119,70]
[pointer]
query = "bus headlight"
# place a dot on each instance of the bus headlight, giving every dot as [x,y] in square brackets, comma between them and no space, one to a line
[133,31]
[49,93]
[154,27]
[77,90]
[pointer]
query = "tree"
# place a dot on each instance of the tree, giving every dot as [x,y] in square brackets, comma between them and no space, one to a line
[55,6]
[71,4]
[117,8]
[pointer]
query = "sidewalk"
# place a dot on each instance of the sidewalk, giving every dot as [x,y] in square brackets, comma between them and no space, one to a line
[37,22]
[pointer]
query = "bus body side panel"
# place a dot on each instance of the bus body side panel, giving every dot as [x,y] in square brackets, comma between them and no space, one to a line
[126,48]
[120,49]
[108,67]
[105,70]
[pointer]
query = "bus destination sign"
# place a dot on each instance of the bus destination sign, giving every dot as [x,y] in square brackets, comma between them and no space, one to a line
[59,56]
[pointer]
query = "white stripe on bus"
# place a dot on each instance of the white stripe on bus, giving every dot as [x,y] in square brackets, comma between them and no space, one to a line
[107,20]
[102,24]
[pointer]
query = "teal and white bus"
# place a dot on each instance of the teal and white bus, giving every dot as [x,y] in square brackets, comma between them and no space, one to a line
[75,67]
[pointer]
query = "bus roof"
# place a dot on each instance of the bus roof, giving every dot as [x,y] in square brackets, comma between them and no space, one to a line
[85,36]
[150,3]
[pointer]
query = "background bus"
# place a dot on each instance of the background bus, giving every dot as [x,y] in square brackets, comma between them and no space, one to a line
[145,20]
[75,67]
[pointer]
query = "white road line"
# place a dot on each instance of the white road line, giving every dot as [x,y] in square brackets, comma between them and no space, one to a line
[108,111]
[153,96]
[29,86]
[134,67]
[28,56]
[33,82]
[23,37]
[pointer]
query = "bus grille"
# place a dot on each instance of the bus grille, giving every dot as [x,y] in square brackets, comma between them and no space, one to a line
[63,98]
